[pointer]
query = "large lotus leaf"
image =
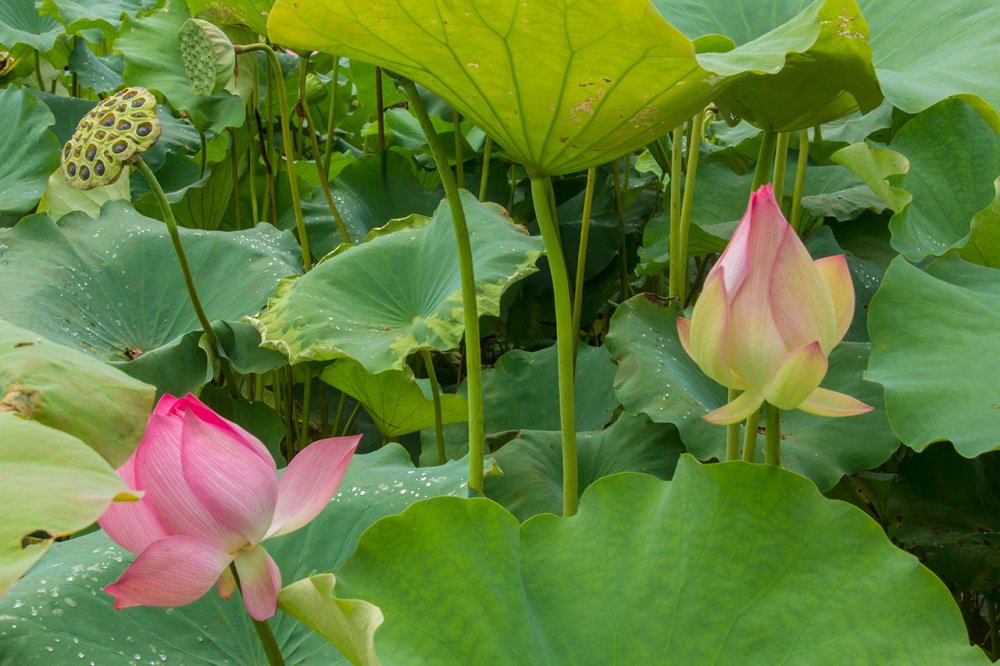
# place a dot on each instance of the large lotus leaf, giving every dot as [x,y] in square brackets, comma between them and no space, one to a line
[58,610]
[100,74]
[251,13]
[954,158]
[984,240]
[152,53]
[399,293]
[610,77]
[21,23]
[531,463]
[656,377]
[946,510]
[70,391]
[50,482]
[30,153]
[103,15]
[722,562]
[928,50]
[935,337]
[60,198]
[881,169]
[112,286]
[832,77]
[393,398]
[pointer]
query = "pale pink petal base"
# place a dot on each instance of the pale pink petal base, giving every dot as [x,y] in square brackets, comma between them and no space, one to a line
[796,377]
[260,581]
[170,572]
[824,402]
[132,525]
[733,412]
[837,277]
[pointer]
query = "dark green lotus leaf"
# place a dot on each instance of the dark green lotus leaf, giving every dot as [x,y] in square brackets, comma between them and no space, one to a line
[59,604]
[197,204]
[88,16]
[984,240]
[21,23]
[60,198]
[954,158]
[100,74]
[152,54]
[397,294]
[531,463]
[112,286]
[47,382]
[656,377]
[928,50]
[722,562]
[241,345]
[946,510]
[30,154]
[935,336]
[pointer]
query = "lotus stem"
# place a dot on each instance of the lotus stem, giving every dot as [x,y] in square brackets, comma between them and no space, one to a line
[800,181]
[234,160]
[581,255]
[436,394]
[750,437]
[565,337]
[286,140]
[484,179]
[306,408]
[331,120]
[683,229]
[263,629]
[175,239]
[772,440]
[381,109]
[780,160]
[676,165]
[765,159]
[456,121]
[733,431]
[470,307]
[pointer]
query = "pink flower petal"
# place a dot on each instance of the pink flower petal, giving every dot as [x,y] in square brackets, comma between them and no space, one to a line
[132,525]
[310,481]
[824,402]
[260,581]
[227,476]
[800,303]
[170,572]
[226,584]
[709,330]
[737,410]
[797,376]
[837,277]
[684,334]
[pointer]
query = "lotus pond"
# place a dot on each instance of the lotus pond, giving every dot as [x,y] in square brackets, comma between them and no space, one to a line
[499,332]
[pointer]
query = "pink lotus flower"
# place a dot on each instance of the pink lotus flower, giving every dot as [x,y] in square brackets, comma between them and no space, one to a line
[211,497]
[768,317]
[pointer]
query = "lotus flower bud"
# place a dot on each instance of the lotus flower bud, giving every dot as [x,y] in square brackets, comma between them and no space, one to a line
[768,317]
[208,56]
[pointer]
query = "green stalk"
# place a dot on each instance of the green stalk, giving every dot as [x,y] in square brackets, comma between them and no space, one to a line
[780,160]
[800,181]
[350,419]
[436,394]
[38,70]
[286,140]
[733,432]
[175,238]
[234,160]
[683,229]
[203,162]
[565,337]
[487,149]
[252,173]
[381,109]
[772,440]
[676,165]
[339,414]
[456,121]
[765,160]
[331,120]
[581,255]
[750,436]
[306,408]
[324,410]
[616,178]
[263,629]
[470,307]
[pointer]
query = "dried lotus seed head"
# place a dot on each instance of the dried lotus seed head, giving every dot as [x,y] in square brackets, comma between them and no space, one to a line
[110,135]
[208,56]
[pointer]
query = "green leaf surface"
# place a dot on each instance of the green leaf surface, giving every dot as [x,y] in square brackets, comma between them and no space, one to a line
[397,294]
[723,562]
[30,154]
[100,74]
[935,337]
[954,158]
[251,13]
[393,398]
[60,198]
[105,16]
[984,239]
[21,23]
[58,484]
[656,377]
[60,605]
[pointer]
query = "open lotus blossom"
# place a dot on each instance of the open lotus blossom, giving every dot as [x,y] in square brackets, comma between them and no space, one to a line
[212,495]
[768,317]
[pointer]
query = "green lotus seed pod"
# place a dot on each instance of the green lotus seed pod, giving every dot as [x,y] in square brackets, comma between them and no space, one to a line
[109,136]
[208,56]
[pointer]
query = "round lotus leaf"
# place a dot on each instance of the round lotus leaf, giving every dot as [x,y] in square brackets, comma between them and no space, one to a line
[111,133]
[208,56]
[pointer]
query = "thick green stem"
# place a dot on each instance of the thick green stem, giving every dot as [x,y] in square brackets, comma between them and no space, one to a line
[765,160]
[203,153]
[234,160]
[456,122]
[252,174]
[350,420]
[263,629]
[581,255]
[484,180]
[175,238]
[436,394]
[339,414]
[331,119]
[38,70]
[676,165]
[683,228]
[780,160]
[286,140]
[772,440]
[565,338]
[733,432]
[800,181]
[616,178]
[750,436]
[470,307]
[381,109]
[306,409]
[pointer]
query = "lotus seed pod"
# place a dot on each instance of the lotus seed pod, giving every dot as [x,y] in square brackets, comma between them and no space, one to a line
[208,56]
[109,136]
